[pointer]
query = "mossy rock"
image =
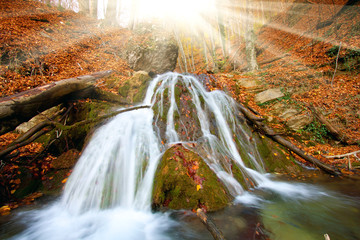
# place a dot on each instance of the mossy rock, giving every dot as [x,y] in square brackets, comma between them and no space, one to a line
[274,157]
[186,121]
[184,181]
[134,89]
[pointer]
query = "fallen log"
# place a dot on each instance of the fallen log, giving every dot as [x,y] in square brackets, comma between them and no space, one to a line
[210,225]
[276,137]
[20,107]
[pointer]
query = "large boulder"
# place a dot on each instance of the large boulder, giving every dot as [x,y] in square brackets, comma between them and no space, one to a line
[156,52]
[184,181]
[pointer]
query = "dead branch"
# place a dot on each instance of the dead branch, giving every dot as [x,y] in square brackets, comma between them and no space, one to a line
[210,225]
[336,65]
[276,137]
[344,155]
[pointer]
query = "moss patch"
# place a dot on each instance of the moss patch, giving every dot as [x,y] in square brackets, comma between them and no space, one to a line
[275,160]
[184,181]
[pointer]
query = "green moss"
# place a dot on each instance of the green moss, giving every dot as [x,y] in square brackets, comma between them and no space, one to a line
[274,157]
[175,188]
[178,92]
[238,175]
[75,137]
[124,89]
[202,101]
[139,96]
[166,94]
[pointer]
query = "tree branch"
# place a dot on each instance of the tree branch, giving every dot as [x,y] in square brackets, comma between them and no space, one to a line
[273,135]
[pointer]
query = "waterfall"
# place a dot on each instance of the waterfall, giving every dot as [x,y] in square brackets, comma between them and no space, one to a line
[109,192]
[117,167]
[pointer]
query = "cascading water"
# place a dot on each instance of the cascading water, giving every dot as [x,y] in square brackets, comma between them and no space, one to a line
[108,195]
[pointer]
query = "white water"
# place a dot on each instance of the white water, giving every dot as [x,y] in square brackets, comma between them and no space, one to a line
[108,194]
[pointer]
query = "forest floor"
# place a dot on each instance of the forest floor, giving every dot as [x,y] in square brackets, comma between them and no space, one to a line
[40,44]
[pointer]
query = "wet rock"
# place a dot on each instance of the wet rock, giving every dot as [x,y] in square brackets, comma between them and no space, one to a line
[268,95]
[76,137]
[184,181]
[66,160]
[53,183]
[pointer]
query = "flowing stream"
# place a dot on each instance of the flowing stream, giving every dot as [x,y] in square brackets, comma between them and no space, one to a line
[108,195]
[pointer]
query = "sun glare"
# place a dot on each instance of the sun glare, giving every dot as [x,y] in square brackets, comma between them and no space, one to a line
[175,11]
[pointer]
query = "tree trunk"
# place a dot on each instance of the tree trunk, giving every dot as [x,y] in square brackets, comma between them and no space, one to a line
[84,6]
[110,15]
[221,26]
[20,107]
[250,39]
[93,8]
